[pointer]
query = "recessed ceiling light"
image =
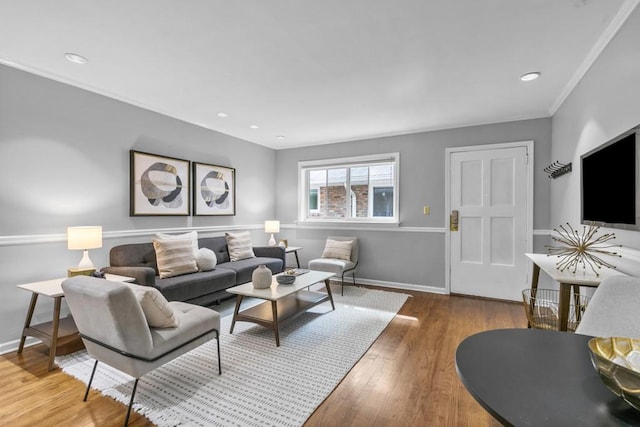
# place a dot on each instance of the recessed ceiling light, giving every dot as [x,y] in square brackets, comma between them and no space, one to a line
[530,76]
[253,127]
[223,115]
[280,137]
[74,57]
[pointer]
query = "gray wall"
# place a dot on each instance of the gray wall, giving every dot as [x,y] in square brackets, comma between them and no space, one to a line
[604,104]
[411,256]
[64,161]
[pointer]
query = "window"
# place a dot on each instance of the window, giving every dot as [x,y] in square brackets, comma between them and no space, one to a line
[354,189]
[313,199]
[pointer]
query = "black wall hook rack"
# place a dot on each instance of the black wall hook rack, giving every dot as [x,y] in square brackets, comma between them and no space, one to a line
[557,169]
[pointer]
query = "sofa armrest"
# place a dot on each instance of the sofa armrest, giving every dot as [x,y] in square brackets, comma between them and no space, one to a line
[144,275]
[270,252]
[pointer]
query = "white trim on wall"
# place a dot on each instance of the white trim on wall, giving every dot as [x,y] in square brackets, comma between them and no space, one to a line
[34,239]
[30,239]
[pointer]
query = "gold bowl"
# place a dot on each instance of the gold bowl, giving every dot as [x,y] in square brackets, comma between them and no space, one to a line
[617,360]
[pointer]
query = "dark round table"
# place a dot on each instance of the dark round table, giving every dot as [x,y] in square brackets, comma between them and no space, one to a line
[532,377]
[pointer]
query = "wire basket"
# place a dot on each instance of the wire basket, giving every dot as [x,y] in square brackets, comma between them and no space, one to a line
[541,307]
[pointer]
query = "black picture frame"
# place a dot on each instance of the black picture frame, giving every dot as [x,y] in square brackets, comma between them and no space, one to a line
[159,185]
[214,190]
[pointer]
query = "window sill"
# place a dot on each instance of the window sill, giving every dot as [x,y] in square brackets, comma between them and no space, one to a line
[343,222]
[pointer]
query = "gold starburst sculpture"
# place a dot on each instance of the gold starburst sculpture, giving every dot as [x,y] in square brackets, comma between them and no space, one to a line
[583,248]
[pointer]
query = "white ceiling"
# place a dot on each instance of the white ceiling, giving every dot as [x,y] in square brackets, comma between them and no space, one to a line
[317,71]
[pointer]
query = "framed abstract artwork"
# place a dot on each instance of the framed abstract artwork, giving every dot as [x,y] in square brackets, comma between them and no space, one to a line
[159,185]
[214,190]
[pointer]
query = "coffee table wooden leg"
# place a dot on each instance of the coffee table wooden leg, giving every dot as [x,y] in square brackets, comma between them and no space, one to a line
[563,306]
[54,332]
[276,326]
[27,322]
[235,312]
[327,283]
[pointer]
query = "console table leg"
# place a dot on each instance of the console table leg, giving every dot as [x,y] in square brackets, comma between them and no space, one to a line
[563,306]
[54,333]
[297,259]
[27,322]
[535,276]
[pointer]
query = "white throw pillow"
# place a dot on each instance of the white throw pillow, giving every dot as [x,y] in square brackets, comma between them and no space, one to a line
[174,257]
[239,245]
[338,249]
[206,259]
[193,235]
[155,307]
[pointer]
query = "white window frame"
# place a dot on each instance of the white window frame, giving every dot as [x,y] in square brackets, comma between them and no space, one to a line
[347,162]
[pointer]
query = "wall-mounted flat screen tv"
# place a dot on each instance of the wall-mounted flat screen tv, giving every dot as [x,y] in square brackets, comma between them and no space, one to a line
[610,187]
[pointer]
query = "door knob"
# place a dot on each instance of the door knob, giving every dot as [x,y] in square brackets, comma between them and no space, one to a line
[453,221]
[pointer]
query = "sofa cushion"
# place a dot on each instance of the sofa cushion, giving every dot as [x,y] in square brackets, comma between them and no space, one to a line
[338,249]
[192,235]
[133,255]
[175,257]
[239,245]
[192,286]
[331,265]
[154,306]
[206,259]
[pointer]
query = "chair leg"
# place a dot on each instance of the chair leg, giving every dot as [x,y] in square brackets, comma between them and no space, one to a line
[86,393]
[342,286]
[218,342]
[353,277]
[133,393]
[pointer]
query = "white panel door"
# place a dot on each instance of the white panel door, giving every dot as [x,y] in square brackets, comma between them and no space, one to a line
[489,190]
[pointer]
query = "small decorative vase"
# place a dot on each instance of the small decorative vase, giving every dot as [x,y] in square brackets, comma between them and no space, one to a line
[261,277]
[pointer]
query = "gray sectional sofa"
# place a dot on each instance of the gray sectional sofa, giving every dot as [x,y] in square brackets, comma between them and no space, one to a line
[138,260]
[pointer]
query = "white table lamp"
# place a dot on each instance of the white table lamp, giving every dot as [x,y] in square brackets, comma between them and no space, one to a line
[84,238]
[272,227]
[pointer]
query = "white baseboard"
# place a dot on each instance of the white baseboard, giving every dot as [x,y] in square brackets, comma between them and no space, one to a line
[394,285]
[11,346]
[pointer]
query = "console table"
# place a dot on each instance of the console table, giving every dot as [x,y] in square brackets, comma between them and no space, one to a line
[58,331]
[566,279]
[533,377]
[294,249]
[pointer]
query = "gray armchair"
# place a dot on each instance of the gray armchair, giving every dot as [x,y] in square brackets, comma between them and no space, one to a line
[339,266]
[114,328]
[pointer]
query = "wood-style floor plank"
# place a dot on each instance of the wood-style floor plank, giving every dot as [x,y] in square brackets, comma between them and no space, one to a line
[406,378]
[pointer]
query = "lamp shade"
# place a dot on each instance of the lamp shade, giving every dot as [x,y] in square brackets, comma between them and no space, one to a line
[81,238]
[272,226]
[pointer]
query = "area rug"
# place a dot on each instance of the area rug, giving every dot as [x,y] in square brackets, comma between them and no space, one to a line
[261,384]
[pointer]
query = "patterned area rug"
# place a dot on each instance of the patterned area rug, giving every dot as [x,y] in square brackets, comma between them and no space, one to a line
[261,384]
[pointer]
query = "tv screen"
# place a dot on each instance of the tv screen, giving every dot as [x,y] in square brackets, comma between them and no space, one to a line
[609,183]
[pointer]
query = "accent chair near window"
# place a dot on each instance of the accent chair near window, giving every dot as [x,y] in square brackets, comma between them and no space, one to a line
[340,256]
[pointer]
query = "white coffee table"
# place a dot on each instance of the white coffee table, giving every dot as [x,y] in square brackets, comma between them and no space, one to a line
[281,302]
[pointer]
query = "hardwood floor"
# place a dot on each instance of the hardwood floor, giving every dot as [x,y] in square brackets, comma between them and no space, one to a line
[407,378]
